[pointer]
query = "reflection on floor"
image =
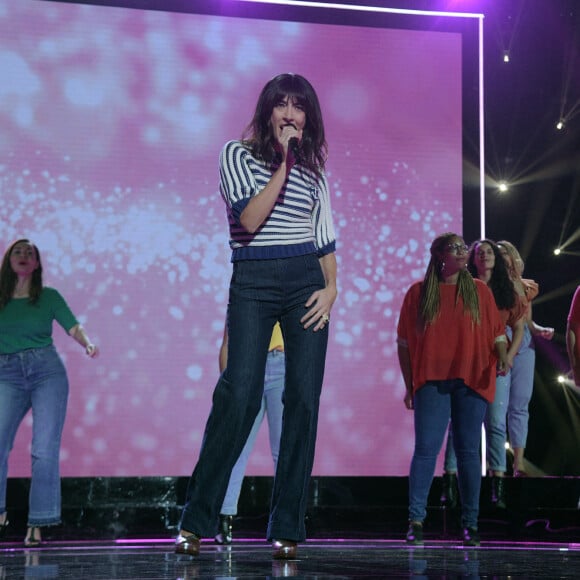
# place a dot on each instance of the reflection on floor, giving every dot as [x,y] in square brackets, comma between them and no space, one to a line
[123,528]
[334,558]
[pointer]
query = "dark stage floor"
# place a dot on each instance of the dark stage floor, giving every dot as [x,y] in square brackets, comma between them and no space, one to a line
[124,528]
[336,558]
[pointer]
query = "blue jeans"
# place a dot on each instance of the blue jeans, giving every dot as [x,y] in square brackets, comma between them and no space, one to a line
[495,424]
[34,379]
[495,430]
[262,292]
[521,388]
[509,410]
[435,404]
[272,407]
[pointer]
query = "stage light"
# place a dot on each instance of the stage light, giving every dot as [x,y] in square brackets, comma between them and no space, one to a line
[557,252]
[506,56]
[503,186]
[560,124]
[561,379]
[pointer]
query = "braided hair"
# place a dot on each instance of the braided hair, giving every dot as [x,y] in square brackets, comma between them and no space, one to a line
[429,300]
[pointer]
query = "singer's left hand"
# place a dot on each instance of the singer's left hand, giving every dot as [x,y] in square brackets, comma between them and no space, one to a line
[319,304]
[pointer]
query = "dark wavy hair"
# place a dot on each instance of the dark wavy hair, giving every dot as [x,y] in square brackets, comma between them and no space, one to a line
[260,138]
[8,277]
[500,283]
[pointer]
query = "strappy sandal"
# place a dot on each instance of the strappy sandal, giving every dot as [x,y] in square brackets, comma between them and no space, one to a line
[31,541]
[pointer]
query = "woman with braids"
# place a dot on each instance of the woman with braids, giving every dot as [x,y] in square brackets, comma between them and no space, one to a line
[450,337]
[284,270]
[32,376]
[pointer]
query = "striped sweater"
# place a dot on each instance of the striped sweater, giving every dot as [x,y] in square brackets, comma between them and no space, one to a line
[300,221]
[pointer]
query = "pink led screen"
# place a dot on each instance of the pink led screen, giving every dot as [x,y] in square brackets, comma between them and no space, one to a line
[112,120]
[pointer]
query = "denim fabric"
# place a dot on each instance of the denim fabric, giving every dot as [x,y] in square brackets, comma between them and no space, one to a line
[450,462]
[34,379]
[262,292]
[521,388]
[435,404]
[495,430]
[509,410]
[495,425]
[272,407]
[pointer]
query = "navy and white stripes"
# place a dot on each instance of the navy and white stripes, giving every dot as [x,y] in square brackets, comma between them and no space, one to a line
[300,222]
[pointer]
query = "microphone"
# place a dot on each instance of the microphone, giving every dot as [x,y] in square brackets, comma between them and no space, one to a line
[294,146]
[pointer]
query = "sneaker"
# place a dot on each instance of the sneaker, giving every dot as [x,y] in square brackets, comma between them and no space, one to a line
[415,534]
[471,537]
[224,535]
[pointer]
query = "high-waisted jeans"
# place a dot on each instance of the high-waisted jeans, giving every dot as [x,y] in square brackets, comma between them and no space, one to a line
[436,403]
[262,292]
[521,389]
[34,379]
[272,408]
[509,410]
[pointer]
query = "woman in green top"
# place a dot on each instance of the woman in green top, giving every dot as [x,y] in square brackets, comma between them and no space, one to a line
[32,376]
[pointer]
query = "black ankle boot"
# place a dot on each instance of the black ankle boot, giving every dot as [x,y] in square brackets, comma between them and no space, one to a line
[498,492]
[224,535]
[450,491]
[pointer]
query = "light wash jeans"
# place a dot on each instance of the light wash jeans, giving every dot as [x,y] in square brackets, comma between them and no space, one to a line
[435,404]
[262,292]
[34,379]
[272,407]
[521,388]
[509,410]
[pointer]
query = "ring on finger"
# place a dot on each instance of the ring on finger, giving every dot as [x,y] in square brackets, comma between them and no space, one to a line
[325,318]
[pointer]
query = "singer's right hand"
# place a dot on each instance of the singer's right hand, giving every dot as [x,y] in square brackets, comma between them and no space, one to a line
[290,133]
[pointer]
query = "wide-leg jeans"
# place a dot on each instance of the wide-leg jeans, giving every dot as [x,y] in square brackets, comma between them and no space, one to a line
[34,379]
[435,404]
[272,408]
[262,292]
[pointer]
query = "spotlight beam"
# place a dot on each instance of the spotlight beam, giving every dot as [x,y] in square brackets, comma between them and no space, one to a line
[565,290]
[568,216]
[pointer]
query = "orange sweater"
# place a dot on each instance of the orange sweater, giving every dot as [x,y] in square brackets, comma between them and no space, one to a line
[453,346]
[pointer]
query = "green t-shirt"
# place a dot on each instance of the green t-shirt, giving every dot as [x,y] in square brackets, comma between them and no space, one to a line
[24,325]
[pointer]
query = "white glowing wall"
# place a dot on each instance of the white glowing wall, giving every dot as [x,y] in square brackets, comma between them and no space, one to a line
[111,124]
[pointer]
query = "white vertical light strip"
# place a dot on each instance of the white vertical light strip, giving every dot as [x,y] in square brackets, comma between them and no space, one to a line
[481,136]
[482,197]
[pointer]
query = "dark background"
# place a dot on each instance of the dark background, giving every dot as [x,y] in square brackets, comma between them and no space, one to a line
[524,100]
